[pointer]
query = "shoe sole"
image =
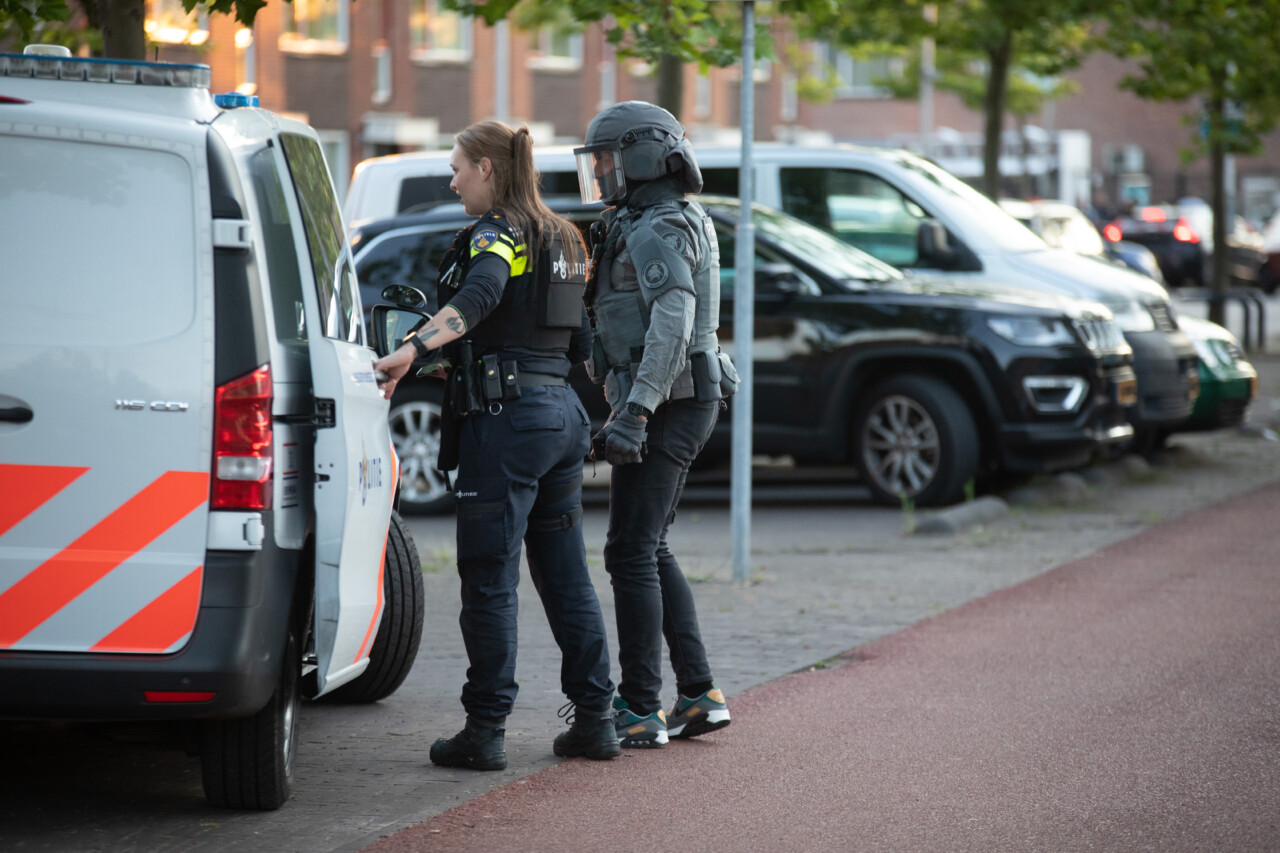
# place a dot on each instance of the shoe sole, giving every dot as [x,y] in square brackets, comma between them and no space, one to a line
[647,740]
[598,755]
[713,721]
[472,764]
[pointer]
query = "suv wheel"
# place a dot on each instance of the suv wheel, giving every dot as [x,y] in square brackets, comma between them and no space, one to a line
[916,440]
[399,631]
[414,421]
[248,763]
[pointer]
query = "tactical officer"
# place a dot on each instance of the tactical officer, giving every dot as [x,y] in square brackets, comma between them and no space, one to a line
[654,298]
[513,322]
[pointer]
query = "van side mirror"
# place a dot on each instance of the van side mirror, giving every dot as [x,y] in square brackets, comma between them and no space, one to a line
[391,324]
[933,245]
[404,295]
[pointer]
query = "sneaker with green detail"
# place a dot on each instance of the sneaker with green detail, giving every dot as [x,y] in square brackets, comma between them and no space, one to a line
[698,716]
[637,732]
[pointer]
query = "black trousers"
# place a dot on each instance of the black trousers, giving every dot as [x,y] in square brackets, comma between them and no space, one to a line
[520,479]
[651,595]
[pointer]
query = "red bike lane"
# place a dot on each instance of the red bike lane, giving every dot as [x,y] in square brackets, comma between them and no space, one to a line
[1127,701]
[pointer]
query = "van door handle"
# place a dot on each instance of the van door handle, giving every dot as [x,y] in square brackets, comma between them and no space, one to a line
[17,414]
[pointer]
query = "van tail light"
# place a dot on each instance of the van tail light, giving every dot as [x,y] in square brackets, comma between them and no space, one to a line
[1184,233]
[179,696]
[242,442]
[1112,232]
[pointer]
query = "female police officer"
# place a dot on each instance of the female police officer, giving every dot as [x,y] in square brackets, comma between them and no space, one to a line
[513,319]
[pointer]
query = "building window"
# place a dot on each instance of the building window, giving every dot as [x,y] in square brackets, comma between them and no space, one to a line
[169,23]
[438,34]
[381,72]
[702,96]
[315,25]
[559,49]
[246,63]
[857,77]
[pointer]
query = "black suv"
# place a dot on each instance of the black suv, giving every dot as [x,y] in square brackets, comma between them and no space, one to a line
[922,383]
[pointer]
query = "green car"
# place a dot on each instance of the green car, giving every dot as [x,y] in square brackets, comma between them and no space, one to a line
[1228,382]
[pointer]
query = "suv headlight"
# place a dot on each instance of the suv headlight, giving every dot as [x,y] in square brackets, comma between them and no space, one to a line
[1032,331]
[1132,316]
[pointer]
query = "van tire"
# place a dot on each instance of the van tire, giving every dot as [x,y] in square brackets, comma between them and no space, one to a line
[915,409]
[399,631]
[414,422]
[248,763]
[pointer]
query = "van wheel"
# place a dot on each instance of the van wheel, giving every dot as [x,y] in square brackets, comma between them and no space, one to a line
[916,440]
[414,421]
[399,631]
[248,763]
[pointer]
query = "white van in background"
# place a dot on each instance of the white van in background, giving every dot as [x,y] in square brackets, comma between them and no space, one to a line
[902,209]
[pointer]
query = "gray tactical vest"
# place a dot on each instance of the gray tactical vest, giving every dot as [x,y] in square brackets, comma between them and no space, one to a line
[670,244]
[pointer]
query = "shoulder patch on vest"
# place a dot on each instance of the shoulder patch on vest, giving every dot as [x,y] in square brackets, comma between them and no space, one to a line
[483,239]
[655,273]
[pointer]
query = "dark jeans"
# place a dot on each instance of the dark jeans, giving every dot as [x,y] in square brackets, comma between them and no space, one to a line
[520,478]
[651,595]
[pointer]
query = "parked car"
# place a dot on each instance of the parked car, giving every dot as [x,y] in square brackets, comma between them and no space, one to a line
[908,212]
[1065,226]
[1181,237]
[198,527]
[1228,382]
[923,383]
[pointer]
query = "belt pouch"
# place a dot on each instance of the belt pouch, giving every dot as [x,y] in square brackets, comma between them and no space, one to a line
[705,367]
[472,396]
[510,380]
[491,377]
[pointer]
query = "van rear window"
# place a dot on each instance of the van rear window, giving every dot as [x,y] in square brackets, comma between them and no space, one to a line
[98,244]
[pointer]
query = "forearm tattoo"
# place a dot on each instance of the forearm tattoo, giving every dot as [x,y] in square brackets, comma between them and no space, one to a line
[456,325]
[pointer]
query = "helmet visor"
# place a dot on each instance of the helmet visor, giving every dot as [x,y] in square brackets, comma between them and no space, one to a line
[600,176]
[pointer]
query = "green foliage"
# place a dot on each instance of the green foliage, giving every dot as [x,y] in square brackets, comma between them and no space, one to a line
[27,21]
[1225,53]
[702,31]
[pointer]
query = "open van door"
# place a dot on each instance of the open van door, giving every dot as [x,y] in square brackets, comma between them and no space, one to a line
[354,459]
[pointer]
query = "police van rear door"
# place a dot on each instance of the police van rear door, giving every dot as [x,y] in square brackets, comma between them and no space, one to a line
[354,459]
[106,380]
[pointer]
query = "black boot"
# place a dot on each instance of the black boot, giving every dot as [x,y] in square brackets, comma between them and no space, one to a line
[477,746]
[592,734]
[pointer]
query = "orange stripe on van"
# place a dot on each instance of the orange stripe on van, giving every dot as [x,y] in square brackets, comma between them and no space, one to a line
[26,488]
[126,531]
[162,623]
[377,611]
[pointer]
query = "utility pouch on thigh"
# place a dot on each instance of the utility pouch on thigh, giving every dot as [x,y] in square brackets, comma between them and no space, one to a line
[491,377]
[510,380]
[470,396]
[705,368]
[728,375]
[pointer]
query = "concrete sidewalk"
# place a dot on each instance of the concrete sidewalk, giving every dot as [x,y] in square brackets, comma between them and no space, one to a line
[1126,701]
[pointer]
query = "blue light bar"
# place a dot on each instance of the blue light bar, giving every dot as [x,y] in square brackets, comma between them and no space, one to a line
[231,100]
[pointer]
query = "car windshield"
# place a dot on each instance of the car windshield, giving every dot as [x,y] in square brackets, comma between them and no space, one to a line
[1009,234]
[832,256]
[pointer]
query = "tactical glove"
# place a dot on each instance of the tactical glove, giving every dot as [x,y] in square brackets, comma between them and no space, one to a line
[623,436]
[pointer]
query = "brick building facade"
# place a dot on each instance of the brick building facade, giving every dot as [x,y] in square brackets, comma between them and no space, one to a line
[376,80]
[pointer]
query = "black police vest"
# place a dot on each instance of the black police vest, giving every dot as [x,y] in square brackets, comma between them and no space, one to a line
[540,308]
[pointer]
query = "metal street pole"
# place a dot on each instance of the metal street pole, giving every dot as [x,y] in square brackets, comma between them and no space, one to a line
[744,314]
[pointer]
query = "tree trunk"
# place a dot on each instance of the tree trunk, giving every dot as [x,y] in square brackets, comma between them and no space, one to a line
[123,33]
[1218,203]
[993,106]
[670,84]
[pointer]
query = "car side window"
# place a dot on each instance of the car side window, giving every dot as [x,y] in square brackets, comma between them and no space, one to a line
[281,254]
[860,208]
[411,259]
[321,220]
[774,274]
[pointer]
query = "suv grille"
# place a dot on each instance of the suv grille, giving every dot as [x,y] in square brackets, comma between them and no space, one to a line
[1099,335]
[1163,316]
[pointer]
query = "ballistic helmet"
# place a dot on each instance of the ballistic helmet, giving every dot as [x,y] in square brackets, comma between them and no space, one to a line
[630,143]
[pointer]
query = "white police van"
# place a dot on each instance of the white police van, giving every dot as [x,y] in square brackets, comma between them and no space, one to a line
[197,517]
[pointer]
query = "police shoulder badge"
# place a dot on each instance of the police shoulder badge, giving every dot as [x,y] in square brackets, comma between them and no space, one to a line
[484,239]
